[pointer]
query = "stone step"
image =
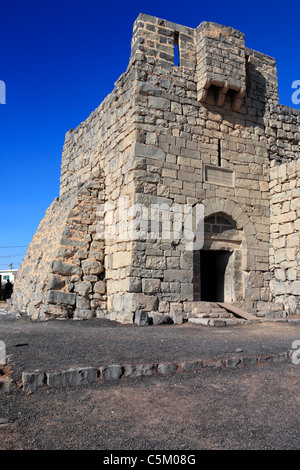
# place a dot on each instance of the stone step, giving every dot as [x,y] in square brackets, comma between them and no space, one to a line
[209,310]
[221,321]
[222,314]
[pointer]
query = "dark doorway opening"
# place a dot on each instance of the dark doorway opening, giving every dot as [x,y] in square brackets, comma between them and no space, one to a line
[213,265]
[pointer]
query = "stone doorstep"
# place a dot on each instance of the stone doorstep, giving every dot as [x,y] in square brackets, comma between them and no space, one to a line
[73,377]
[219,321]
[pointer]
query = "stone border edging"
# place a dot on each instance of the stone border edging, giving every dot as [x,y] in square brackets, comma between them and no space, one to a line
[32,381]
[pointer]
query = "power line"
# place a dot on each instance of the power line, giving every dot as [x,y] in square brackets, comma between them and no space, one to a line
[16,246]
[13,256]
[15,264]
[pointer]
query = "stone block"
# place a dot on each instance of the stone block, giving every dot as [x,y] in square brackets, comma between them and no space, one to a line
[57,311]
[140,370]
[33,380]
[7,385]
[192,366]
[82,303]
[57,297]
[111,372]
[55,283]
[2,353]
[295,288]
[83,288]
[159,319]
[167,369]
[232,362]
[72,377]
[100,287]
[124,317]
[159,103]
[142,150]
[141,318]
[65,269]
[91,267]
[83,314]
[145,302]
[150,286]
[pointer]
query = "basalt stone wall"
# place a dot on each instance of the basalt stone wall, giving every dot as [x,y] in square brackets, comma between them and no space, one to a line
[201,152]
[285,235]
[201,131]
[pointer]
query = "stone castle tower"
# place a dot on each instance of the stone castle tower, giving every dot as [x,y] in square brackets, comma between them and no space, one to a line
[204,129]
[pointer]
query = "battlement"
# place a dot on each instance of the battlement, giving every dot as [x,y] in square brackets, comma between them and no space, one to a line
[221,62]
[214,55]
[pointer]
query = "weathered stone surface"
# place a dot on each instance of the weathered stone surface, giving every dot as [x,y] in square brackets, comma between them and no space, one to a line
[166,369]
[159,319]
[124,317]
[57,297]
[59,267]
[55,282]
[141,318]
[33,380]
[232,362]
[111,372]
[166,139]
[83,288]
[192,366]
[2,353]
[57,311]
[139,370]
[145,302]
[7,385]
[83,314]
[100,287]
[72,377]
[176,317]
[92,267]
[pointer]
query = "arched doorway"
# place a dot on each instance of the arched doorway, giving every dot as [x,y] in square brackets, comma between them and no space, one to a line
[218,265]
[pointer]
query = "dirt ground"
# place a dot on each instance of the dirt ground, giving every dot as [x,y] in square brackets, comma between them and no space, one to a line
[252,408]
[245,408]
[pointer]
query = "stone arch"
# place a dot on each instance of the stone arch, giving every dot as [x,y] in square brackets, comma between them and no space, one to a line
[242,221]
[229,239]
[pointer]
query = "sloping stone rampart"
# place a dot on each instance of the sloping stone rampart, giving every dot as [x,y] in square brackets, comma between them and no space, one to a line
[62,275]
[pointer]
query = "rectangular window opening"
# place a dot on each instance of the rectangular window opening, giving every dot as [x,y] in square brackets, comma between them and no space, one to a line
[176,49]
[219,153]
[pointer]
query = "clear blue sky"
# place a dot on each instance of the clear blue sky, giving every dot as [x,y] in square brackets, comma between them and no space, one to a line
[59,60]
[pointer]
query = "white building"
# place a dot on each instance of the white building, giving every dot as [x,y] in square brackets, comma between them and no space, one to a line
[5,275]
[8,274]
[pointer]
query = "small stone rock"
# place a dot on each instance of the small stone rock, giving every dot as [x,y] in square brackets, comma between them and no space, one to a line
[111,372]
[141,318]
[3,421]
